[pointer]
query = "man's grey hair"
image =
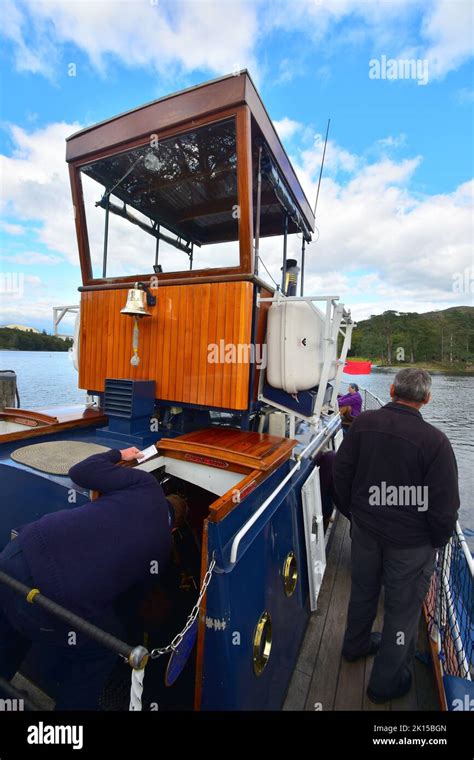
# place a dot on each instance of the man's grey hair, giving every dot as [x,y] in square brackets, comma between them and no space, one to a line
[412,384]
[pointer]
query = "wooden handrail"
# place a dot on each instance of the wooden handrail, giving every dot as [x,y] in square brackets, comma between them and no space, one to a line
[26,414]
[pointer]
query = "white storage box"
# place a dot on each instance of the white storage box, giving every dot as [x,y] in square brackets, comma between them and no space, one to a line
[295,346]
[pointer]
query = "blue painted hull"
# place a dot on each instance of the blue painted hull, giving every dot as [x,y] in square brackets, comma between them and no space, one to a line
[241,593]
[238,594]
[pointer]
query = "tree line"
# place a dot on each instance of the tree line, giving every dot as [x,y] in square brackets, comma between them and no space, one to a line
[21,340]
[444,336]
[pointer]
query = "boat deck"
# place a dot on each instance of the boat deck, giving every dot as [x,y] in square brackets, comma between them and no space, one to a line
[322,679]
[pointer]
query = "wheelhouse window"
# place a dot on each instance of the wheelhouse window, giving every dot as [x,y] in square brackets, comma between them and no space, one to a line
[169,204]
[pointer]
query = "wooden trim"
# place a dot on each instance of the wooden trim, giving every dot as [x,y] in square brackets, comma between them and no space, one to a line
[163,134]
[123,283]
[80,224]
[226,503]
[279,451]
[222,274]
[51,429]
[201,621]
[245,184]
[9,412]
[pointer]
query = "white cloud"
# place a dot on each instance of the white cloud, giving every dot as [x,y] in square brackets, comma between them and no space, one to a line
[336,158]
[287,128]
[36,55]
[212,35]
[440,31]
[216,36]
[35,186]
[28,311]
[392,141]
[11,229]
[32,258]
[447,29]
[380,244]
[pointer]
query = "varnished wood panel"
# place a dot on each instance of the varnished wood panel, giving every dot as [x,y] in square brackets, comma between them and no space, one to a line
[257,451]
[173,343]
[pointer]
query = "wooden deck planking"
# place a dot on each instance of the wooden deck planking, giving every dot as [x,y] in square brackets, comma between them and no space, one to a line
[322,679]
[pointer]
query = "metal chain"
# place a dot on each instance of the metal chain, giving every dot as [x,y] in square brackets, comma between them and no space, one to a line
[158,652]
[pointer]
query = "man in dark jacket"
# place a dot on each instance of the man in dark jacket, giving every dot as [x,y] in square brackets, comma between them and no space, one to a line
[397,476]
[83,558]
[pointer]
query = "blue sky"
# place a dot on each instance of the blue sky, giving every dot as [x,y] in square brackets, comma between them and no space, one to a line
[394,219]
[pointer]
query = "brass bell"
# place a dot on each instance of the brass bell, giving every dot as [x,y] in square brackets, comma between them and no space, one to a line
[135,306]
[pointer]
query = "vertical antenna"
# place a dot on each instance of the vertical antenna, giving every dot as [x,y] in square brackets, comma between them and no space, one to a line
[321,170]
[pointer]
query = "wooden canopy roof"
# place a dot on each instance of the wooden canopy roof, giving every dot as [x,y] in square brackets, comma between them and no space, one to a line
[180,110]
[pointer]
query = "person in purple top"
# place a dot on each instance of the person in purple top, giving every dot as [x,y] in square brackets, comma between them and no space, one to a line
[350,405]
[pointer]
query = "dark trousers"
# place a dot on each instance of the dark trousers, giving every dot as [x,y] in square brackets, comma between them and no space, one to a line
[79,669]
[405,575]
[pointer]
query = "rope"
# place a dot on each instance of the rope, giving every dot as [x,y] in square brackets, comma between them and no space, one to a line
[136,690]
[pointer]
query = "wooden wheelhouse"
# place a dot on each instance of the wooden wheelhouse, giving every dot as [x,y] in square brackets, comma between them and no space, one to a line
[176,195]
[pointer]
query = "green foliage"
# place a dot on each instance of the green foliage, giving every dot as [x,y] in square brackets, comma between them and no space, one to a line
[21,340]
[445,337]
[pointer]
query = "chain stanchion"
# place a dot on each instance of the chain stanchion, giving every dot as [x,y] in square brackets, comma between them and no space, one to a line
[139,657]
[160,651]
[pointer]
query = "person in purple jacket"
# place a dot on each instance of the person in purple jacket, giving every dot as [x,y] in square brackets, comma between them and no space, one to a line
[84,558]
[350,405]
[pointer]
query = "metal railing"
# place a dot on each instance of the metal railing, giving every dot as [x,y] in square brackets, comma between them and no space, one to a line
[370,400]
[136,657]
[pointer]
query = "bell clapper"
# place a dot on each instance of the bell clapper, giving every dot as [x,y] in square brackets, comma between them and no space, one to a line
[135,360]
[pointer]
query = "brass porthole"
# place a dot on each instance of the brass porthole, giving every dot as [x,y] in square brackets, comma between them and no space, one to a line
[290,574]
[262,643]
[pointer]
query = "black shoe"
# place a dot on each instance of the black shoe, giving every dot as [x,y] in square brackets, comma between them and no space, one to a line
[375,639]
[402,689]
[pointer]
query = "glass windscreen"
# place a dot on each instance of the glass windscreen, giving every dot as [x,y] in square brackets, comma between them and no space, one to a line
[171,203]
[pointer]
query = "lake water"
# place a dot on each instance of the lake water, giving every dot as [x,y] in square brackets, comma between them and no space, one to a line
[49,378]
